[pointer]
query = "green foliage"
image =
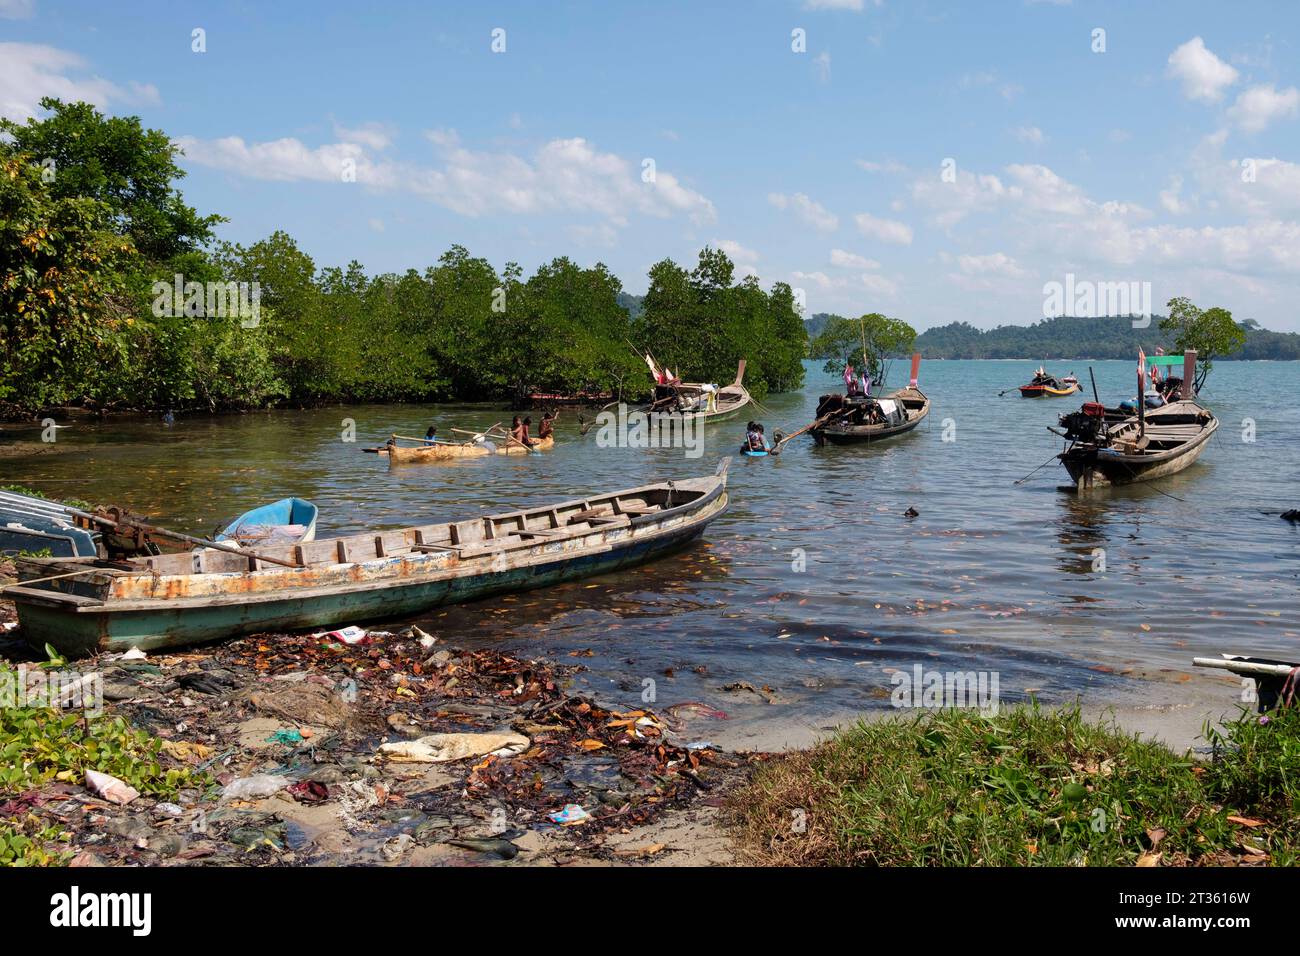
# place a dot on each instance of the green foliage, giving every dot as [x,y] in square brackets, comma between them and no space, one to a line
[31,842]
[1028,787]
[62,305]
[701,324]
[117,162]
[879,338]
[1211,332]
[88,313]
[39,744]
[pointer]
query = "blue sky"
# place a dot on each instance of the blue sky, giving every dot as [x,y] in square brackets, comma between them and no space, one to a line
[823,168]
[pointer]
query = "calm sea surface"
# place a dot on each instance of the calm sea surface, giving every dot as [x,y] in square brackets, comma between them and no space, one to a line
[814,584]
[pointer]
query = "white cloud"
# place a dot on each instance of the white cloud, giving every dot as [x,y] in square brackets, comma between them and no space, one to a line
[846,289]
[1171,199]
[735,251]
[29,71]
[374,136]
[376,225]
[1260,105]
[286,160]
[995,263]
[563,175]
[851,260]
[953,201]
[1030,134]
[811,212]
[878,284]
[17,9]
[884,230]
[1204,76]
[1261,188]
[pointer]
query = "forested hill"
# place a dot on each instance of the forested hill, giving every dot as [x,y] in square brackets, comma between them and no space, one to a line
[1075,338]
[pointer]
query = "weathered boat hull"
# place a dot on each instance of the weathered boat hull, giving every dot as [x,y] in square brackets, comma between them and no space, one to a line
[866,434]
[1104,467]
[83,634]
[445,451]
[731,400]
[112,610]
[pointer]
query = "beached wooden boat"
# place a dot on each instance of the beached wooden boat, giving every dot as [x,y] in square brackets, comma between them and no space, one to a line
[82,606]
[445,450]
[693,399]
[287,521]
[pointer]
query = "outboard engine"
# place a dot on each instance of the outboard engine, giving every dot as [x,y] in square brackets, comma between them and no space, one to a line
[1086,424]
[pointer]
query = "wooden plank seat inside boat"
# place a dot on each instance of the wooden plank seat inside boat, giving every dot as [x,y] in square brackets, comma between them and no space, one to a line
[465,539]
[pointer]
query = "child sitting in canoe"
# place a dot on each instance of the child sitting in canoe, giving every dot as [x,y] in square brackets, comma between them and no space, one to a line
[431,436]
[547,427]
[519,431]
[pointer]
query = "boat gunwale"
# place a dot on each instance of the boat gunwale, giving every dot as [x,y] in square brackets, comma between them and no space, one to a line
[852,432]
[105,576]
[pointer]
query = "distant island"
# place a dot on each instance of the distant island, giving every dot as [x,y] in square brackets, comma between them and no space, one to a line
[1071,338]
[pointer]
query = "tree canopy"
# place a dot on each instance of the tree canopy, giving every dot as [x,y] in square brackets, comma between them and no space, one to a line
[92,225]
[872,338]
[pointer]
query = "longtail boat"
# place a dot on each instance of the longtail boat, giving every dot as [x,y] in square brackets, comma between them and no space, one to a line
[700,401]
[860,419]
[83,606]
[1048,386]
[1142,447]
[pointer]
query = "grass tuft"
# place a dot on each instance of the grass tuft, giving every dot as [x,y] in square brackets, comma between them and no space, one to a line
[1028,787]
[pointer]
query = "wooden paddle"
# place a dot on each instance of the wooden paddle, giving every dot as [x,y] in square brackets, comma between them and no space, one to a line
[824,420]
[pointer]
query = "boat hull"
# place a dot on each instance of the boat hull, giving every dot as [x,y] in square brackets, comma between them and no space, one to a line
[397,455]
[1046,391]
[82,634]
[1100,468]
[108,610]
[866,434]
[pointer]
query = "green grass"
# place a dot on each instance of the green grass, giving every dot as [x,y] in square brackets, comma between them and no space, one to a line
[1029,787]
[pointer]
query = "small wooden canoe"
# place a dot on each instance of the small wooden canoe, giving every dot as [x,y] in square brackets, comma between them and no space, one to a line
[287,521]
[445,450]
[871,419]
[82,606]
